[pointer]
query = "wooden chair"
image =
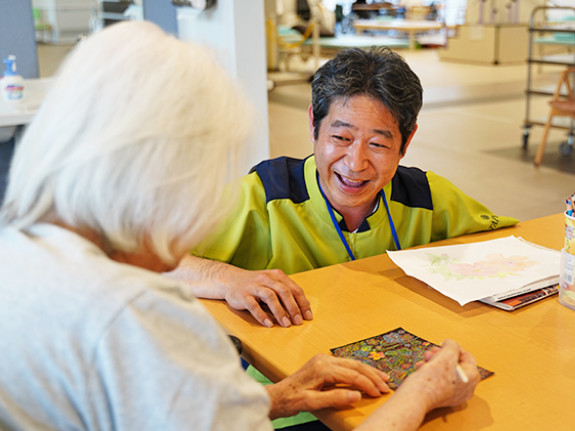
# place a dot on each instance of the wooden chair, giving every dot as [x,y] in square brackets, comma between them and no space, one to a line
[562,105]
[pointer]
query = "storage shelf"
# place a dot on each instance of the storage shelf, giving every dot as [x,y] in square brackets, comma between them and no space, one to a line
[546,34]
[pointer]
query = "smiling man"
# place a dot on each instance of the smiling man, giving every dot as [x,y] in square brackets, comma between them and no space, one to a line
[357,153]
[349,200]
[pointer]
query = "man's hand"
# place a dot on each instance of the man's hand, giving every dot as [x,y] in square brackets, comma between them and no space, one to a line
[246,290]
[285,299]
[325,381]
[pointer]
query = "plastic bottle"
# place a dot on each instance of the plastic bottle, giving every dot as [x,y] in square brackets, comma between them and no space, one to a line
[11,84]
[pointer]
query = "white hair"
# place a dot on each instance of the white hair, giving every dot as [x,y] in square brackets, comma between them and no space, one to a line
[135,141]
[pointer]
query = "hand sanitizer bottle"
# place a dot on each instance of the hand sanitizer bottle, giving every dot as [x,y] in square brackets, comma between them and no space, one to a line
[11,84]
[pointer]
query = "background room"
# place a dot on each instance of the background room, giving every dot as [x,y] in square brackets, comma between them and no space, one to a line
[473,67]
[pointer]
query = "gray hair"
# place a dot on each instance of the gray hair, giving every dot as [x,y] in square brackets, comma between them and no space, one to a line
[379,73]
[130,142]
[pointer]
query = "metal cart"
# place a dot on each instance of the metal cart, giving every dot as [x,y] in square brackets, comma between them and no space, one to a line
[544,32]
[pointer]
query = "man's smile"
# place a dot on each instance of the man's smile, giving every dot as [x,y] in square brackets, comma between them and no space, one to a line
[349,182]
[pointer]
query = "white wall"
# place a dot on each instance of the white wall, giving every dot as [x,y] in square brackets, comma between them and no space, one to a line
[235,31]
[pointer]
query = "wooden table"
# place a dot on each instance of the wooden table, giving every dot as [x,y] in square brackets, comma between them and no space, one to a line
[411,27]
[373,6]
[531,350]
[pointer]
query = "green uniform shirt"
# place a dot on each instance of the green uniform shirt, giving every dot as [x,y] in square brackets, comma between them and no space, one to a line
[282,220]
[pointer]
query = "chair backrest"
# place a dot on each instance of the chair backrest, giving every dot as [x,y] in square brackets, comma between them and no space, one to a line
[564,90]
[18,37]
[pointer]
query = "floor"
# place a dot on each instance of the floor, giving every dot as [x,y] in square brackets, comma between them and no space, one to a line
[470,130]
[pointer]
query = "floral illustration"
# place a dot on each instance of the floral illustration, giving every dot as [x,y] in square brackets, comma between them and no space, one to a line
[494,265]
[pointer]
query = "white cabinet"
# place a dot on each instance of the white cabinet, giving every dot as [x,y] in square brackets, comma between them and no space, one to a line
[490,43]
[67,19]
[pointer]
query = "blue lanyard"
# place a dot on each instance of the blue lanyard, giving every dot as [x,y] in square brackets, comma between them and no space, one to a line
[391,225]
[340,233]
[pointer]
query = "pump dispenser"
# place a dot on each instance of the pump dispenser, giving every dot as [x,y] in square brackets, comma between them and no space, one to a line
[11,84]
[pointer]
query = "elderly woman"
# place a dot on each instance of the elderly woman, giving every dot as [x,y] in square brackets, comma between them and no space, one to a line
[119,175]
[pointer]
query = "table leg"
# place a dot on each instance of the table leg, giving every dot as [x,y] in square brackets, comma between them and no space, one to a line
[411,40]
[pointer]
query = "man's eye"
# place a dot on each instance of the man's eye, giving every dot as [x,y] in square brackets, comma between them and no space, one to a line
[340,138]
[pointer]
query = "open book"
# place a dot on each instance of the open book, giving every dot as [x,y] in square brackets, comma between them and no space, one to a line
[489,270]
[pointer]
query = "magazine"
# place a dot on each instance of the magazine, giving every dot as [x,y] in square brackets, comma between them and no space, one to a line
[515,302]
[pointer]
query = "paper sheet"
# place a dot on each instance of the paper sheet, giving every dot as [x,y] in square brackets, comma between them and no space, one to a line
[468,272]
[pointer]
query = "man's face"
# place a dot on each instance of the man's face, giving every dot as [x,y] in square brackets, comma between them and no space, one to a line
[357,152]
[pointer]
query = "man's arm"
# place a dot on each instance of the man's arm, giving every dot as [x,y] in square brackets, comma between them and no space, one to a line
[246,290]
[455,213]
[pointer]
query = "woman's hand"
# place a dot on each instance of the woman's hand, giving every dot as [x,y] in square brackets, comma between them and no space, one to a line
[325,381]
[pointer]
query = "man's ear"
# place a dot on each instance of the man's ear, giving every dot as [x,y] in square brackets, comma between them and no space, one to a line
[409,138]
[311,126]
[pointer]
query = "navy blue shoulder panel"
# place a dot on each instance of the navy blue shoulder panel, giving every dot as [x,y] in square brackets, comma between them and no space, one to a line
[410,187]
[283,178]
